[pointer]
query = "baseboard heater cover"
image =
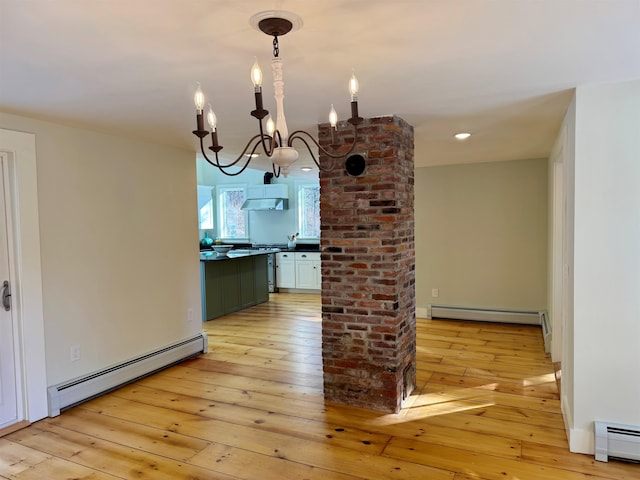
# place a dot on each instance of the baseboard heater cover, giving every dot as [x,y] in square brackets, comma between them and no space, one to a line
[484,314]
[78,390]
[615,441]
[546,331]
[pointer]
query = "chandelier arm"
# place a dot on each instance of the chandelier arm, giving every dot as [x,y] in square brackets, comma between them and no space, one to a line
[276,173]
[313,157]
[297,135]
[221,167]
[242,154]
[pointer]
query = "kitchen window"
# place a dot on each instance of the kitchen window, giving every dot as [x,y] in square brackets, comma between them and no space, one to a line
[206,216]
[232,220]
[309,211]
[205,207]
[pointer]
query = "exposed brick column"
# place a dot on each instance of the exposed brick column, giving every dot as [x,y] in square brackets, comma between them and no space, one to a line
[368,268]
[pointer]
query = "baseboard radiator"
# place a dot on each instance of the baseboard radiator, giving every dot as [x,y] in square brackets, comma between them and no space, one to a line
[617,442]
[484,315]
[78,390]
[546,331]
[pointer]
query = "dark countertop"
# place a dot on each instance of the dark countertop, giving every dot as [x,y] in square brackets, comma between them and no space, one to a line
[211,256]
[247,249]
[303,248]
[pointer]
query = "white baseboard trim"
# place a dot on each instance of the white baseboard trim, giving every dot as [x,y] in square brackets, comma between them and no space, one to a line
[580,440]
[67,394]
[300,290]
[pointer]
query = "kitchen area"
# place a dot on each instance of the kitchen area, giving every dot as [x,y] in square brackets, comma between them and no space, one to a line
[259,235]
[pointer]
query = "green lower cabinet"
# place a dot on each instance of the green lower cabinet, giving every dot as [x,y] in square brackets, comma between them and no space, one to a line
[228,270]
[233,284]
[261,280]
[211,282]
[247,283]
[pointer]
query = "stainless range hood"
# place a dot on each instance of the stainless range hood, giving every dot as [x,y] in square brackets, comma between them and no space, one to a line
[266,197]
[265,204]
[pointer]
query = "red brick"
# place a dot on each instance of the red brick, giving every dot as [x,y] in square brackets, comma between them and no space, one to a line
[368,266]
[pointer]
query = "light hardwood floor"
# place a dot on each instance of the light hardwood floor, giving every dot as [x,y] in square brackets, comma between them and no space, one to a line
[486,407]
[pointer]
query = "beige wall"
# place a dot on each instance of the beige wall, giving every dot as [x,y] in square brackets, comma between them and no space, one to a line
[481,235]
[119,245]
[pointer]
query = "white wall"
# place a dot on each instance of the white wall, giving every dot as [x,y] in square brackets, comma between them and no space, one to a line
[119,245]
[481,235]
[264,226]
[606,316]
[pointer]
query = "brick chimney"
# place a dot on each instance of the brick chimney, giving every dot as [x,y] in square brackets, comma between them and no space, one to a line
[368,267]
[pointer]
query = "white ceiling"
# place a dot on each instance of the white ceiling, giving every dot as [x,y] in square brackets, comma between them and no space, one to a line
[501,69]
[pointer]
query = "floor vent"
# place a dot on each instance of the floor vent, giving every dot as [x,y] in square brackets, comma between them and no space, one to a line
[484,315]
[68,394]
[617,442]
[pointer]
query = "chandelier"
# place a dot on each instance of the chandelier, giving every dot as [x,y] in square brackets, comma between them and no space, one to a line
[273,139]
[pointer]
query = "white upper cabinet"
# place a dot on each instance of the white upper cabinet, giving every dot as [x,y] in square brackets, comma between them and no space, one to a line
[279,190]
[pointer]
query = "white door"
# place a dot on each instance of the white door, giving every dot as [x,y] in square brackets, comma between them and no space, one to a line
[8,377]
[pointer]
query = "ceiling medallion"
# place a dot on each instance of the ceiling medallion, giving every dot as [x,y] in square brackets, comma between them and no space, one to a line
[276,143]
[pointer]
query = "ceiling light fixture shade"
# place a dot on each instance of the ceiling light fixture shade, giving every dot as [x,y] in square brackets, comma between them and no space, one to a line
[276,143]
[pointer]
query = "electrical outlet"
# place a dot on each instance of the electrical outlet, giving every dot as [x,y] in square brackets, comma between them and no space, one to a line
[74,352]
[435,292]
[189,315]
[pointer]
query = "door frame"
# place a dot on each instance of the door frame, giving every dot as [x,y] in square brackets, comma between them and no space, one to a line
[9,275]
[558,226]
[26,268]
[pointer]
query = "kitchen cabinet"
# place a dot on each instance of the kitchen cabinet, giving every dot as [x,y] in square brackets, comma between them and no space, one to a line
[267,191]
[233,284]
[299,270]
[285,270]
[308,270]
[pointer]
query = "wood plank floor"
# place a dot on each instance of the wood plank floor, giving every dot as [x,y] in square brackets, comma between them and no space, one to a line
[486,407]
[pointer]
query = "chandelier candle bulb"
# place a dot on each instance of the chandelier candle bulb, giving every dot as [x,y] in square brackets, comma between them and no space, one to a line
[333,117]
[198,99]
[353,87]
[212,119]
[271,127]
[333,121]
[256,76]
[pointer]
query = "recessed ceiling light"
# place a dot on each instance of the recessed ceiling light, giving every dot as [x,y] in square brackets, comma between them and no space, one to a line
[462,136]
[306,169]
[252,155]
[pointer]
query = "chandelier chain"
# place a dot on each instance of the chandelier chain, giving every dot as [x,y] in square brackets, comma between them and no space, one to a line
[276,47]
